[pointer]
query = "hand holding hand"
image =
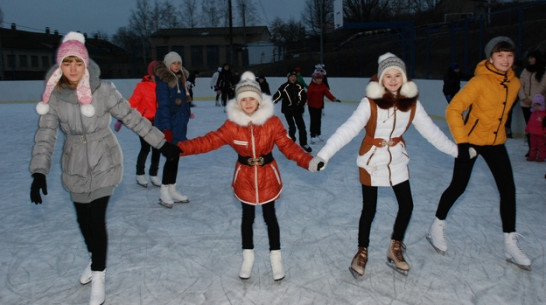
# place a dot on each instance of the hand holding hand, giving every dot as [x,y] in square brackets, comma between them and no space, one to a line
[38,183]
[170,151]
[466,152]
[317,164]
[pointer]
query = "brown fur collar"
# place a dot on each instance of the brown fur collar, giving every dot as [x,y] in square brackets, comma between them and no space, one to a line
[388,100]
[385,99]
[165,75]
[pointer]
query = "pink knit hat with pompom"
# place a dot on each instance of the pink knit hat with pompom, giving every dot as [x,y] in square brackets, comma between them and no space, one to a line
[72,45]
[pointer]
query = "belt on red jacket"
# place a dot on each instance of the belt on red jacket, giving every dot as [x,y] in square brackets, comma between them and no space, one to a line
[379,142]
[261,160]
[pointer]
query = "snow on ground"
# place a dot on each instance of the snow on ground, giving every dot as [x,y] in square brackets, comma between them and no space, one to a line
[192,253]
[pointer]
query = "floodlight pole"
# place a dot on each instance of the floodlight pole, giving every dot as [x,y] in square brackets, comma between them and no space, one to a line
[321,10]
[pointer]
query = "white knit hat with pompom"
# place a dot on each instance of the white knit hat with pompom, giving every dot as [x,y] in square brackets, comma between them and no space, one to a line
[248,87]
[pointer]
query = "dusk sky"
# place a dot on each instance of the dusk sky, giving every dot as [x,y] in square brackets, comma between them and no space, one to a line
[107,15]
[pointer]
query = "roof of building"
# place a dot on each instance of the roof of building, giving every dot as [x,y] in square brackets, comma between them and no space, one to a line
[249,30]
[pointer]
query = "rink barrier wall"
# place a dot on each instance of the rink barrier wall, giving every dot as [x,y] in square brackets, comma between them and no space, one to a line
[348,90]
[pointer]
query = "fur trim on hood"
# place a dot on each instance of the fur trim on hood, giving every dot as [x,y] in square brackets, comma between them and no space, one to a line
[165,75]
[407,95]
[264,112]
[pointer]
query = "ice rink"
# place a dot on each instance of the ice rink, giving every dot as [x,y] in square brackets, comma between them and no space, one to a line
[191,254]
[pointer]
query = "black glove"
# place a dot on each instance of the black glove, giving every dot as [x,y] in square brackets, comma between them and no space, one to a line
[38,183]
[337,101]
[170,151]
[463,154]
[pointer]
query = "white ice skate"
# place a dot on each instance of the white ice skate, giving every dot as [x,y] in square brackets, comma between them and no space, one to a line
[141,180]
[165,198]
[176,196]
[155,180]
[513,253]
[97,288]
[85,277]
[248,262]
[436,237]
[276,265]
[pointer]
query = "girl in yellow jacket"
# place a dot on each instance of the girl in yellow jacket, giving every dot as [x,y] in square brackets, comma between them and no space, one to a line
[486,99]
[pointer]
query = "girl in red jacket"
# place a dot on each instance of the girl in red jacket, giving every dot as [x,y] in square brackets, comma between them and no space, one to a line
[536,130]
[315,101]
[143,100]
[252,130]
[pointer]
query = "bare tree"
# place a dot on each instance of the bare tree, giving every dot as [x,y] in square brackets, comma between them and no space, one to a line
[214,13]
[247,14]
[190,17]
[364,10]
[317,12]
[146,19]
[287,32]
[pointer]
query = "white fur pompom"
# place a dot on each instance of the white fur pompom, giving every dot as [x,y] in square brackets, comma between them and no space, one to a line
[385,56]
[248,75]
[42,108]
[74,36]
[374,90]
[88,110]
[409,90]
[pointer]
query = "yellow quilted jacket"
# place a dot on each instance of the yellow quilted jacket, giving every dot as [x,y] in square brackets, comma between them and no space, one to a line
[477,113]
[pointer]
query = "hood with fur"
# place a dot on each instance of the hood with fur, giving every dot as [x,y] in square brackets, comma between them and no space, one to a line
[264,112]
[165,75]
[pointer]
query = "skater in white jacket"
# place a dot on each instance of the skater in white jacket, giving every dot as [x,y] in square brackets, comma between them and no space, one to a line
[388,109]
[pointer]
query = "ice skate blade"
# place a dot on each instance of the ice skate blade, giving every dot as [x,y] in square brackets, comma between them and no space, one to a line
[442,252]
[355,274]
[166,204]
[393,266]
[143,184]
[278,280]
[182,201]
[524,267]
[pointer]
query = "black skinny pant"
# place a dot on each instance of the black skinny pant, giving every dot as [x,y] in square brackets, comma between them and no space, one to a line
[92,221]
[270,218]
[498,161]
[315,115]
[295,119]
[170,171]
[143,155]
[402,192]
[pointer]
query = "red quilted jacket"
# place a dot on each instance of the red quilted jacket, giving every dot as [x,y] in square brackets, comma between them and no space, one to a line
[251,137]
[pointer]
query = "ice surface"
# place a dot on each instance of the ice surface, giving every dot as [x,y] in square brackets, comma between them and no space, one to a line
[191,254]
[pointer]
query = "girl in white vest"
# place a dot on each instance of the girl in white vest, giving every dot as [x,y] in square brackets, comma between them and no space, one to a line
[388,109]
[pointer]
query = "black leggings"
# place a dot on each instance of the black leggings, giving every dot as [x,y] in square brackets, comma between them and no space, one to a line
[402,192]
[143,155]
[315,115]
[92,220]
[270,218]
[170,171]
[295,119]
[498,161]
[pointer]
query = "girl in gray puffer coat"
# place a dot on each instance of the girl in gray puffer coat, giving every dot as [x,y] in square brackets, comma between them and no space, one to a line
[81,104]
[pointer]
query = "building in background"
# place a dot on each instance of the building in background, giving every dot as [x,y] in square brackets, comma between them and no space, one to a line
[29,55]
[205,49]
